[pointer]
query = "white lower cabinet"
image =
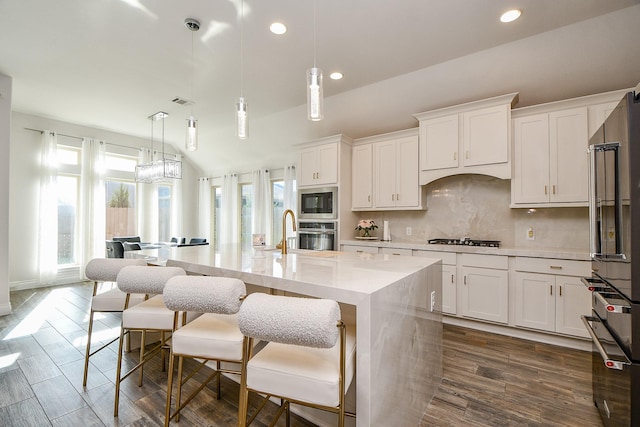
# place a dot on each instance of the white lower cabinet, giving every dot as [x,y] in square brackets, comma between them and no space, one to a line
[485,287]
[551,302]
[360,249]
[449,278]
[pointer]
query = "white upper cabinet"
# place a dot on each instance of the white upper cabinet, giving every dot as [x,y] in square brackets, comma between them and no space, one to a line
[385,172]
[318,165]
[550,158]
[467,138]
[362,177]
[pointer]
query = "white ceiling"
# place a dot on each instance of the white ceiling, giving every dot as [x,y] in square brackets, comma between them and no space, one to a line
[109,64]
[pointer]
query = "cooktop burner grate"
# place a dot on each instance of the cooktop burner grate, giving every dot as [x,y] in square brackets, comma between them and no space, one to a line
[466,242]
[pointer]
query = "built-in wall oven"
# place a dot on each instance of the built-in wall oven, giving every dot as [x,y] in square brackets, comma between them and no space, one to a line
[614,212]
[318,203]
[317,236]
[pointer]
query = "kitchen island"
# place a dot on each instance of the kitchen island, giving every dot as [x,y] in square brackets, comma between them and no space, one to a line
[396,305]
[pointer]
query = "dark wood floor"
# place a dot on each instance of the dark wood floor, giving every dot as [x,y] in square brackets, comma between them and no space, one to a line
[489,380]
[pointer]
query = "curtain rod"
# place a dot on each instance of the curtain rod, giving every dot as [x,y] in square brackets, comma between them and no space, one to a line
[81,138]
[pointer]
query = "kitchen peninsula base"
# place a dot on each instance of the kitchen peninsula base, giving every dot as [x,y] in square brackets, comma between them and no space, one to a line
[397,302]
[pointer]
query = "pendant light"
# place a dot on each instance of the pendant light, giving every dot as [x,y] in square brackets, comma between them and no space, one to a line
[314,82]
[191,142]
[242,120]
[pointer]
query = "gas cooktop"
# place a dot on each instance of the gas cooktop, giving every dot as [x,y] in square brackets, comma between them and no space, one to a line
[466,242]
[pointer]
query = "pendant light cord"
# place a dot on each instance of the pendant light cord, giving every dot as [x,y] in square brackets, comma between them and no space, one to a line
[193,74]
[314,33]
[242,48]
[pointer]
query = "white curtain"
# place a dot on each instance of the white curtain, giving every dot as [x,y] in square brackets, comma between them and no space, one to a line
[147,202]
[261,208]
[48,214]
[92,202]
[229,210]
[176,206]
[290,194]
[204,208]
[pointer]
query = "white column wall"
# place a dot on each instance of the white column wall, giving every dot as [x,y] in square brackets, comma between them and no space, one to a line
[5,137]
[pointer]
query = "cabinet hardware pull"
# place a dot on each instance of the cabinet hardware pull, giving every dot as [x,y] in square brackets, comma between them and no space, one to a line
[452,278]
[359,252]
[466,154]
[395,254]
[397,197]
[455,155]
[393,197]
[555,267]
[553,188]
[550,289]
[318,175]
[545,190]
[465,280]
[369,198]
[560,290]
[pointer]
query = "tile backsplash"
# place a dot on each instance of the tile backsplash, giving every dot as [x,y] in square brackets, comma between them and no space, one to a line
[477,206]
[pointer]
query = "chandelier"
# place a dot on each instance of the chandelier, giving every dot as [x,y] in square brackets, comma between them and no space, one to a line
[160,169]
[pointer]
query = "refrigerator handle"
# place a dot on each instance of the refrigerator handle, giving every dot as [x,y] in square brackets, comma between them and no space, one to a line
[595,231]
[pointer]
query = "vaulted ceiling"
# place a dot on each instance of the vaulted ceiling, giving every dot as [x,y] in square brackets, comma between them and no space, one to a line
[109,64]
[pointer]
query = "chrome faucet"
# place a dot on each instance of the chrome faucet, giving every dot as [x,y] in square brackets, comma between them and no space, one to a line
[284,228]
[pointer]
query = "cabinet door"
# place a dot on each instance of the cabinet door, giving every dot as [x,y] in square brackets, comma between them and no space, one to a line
[535,305]
[327,172]
[573,300]
[531,159]
[360,249]
[307,166]
[485,136]
[449,288]
[362,177]
[598,114]
[439,143]
[407,175]
[384,172]
[485,294]
[568,160]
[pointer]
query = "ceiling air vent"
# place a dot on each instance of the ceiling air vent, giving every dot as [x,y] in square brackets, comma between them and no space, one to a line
[181,101]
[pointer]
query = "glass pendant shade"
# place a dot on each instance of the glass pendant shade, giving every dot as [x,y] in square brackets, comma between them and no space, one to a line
[191,143]
[314,94]
[242,119]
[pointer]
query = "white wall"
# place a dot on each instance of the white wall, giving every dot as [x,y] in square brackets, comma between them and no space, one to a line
[23,190]
[5,138]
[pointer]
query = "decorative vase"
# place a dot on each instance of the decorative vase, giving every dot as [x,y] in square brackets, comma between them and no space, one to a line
[366,233]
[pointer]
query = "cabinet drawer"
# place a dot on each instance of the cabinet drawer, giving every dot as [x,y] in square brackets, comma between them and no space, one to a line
[485,261]
[563,267]
[448,258]
[355,248]
[396,251]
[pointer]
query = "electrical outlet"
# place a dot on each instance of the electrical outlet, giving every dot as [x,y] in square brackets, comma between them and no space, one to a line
[409,231]
[433,300]
[530,234]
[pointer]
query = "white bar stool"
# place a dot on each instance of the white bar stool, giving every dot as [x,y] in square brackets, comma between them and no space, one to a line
[213,336]
[150,315]
[101,270]
[304,362]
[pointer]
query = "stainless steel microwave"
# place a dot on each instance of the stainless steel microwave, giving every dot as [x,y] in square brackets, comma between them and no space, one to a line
[318,203]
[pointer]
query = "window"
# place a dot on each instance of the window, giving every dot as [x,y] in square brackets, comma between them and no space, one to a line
[277,197]
[216,216]
[164,213]
[120,209]
[68,188]
[246,200]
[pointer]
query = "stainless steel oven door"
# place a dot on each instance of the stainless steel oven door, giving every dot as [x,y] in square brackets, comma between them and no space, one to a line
[317,236]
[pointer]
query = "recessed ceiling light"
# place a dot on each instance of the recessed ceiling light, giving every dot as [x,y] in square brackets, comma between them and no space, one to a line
[510,15]
[335,75]
[278,28]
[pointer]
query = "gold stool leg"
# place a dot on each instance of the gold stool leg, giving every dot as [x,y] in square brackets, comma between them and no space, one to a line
[118,374]
[167,412]
[142,345]
[88,351]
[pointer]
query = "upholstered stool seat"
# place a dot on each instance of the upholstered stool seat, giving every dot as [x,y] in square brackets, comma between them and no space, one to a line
[151,315]
[308,374]
[214,336]
[309,358]
[101,270]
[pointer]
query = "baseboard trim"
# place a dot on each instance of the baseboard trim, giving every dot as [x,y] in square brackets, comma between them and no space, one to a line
[561,341]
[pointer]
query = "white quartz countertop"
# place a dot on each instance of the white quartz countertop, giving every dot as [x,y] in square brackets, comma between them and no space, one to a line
[343,276]
[524,252]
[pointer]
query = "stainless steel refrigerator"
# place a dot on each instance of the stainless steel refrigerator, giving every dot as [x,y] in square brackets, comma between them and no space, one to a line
[614,213]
